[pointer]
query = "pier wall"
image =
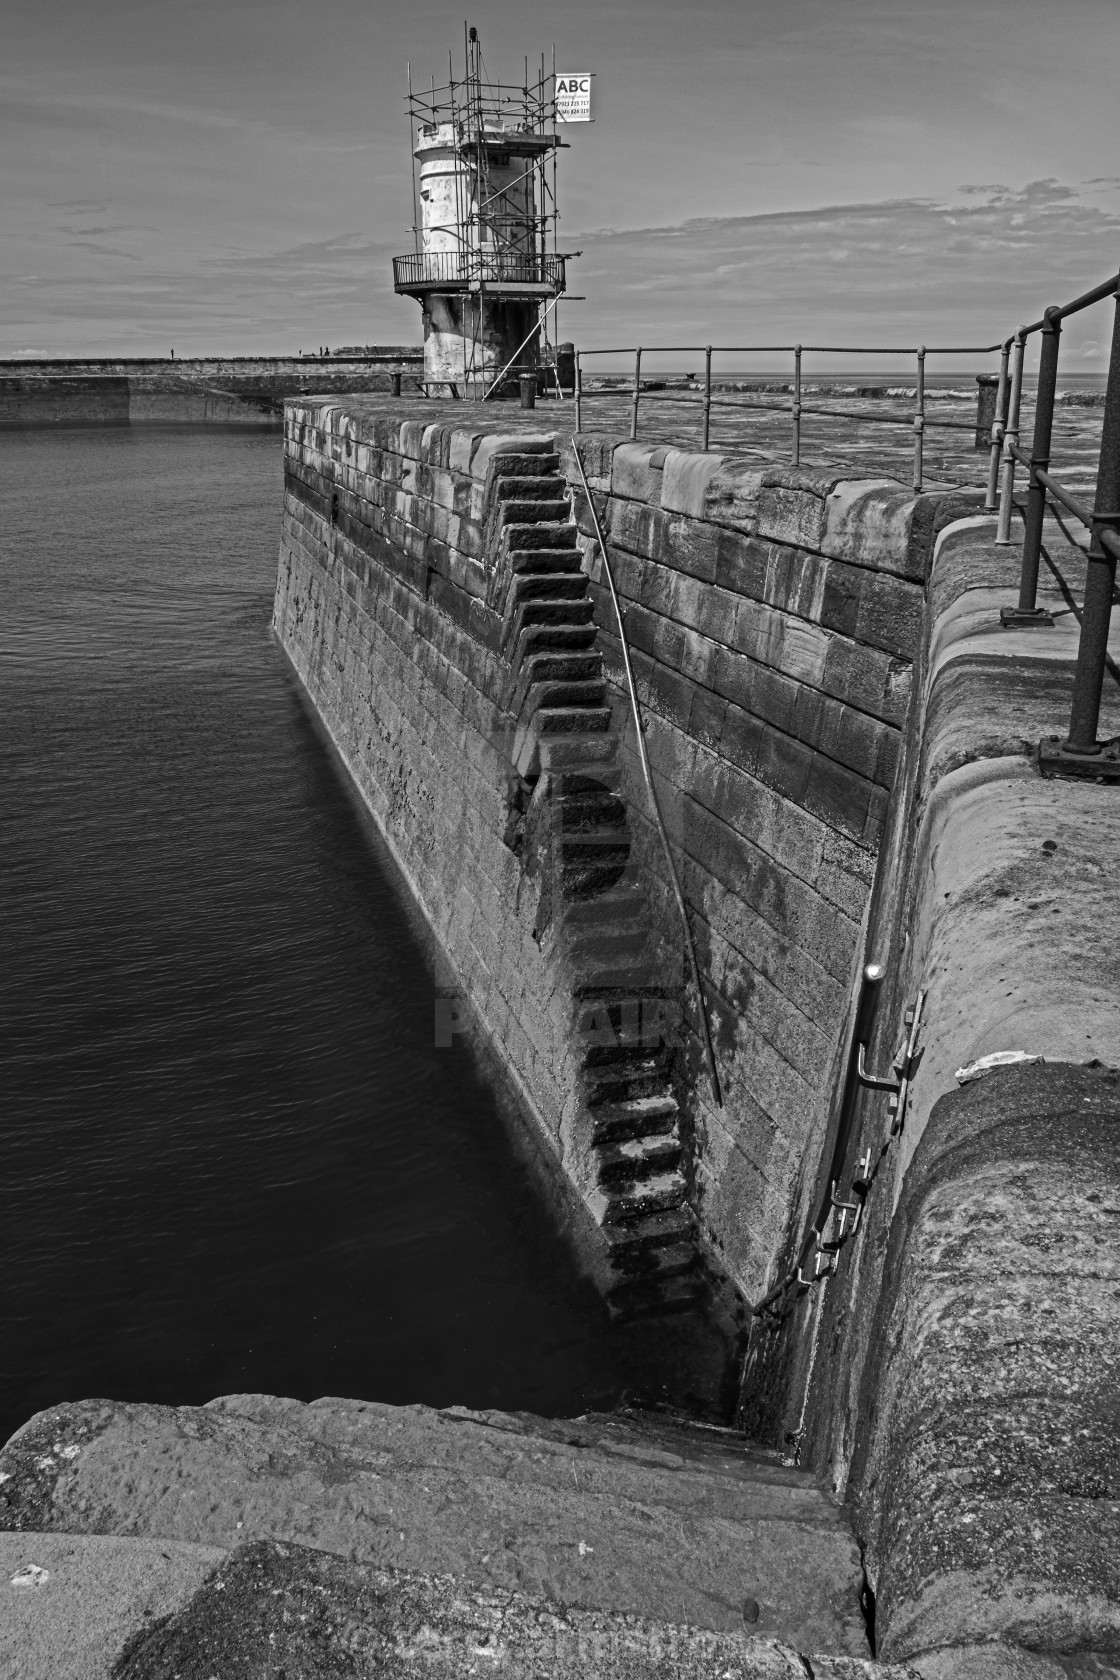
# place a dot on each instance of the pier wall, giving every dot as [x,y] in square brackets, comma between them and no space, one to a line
[841,737]
[774,618]
[237,390]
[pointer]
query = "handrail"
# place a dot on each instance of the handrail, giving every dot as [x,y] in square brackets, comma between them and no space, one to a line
[796,407]
[463,268]
[1078,754]
[1106,289]
[647,775]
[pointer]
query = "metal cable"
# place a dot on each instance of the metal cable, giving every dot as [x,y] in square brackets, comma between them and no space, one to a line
[647,774]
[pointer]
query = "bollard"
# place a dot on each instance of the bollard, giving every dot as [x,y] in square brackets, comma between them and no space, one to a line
[395,384]
[566,366]
[528,384]
[987,391]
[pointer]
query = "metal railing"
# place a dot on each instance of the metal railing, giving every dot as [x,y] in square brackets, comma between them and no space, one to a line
[429,270]
[796,407]
[1078,754]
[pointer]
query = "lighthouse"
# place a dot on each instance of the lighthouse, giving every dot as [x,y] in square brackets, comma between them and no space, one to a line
[484,185]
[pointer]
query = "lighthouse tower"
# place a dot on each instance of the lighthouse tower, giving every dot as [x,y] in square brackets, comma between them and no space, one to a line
[482,271]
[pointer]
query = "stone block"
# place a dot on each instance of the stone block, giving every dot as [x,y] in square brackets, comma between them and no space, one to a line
[706,717]
[640,528]
[891,615]
[685,481]
[869,522]
[812,481]
[867,679]
[742,564]
[595,451]
[789,515]
[839,796]
[435,445]
[633,474]
[731,497]
[698,657]
[841,597]
[517,443]
[411,439]
[460,449]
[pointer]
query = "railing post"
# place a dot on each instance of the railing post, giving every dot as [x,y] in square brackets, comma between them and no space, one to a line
[637,391]
[795,452]
[1011,441]
[1028,613]
[999,425]
[578,381]
[707,395]
[920,419]
[1096,758]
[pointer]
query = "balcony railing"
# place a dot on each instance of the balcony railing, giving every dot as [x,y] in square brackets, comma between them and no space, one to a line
[462,271]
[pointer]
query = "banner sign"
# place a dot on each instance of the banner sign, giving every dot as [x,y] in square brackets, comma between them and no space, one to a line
[573,97]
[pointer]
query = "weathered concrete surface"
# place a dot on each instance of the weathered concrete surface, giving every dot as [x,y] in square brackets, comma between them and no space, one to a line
[994,1448]
[268,1608]
[635,1517]
[68,1615]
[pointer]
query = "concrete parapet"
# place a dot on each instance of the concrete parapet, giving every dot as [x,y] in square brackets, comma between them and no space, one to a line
[964,1392]
[991,1460]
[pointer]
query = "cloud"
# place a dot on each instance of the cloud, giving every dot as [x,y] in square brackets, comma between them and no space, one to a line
[929,270]
[965,271]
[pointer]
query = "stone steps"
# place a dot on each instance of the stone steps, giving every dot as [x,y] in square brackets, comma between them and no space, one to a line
[576,751]
[555,667]
[523,487]
[626,901]
[644,1076]
[527,615]
[548,638]
[586,692]
[633,1246]
[566,730]
[522,511]
[540,559]
[573,720]
[548,534]
[634,1117]
[621,1164]
[622,943]
[609,1204]
[553,586]
[578,807]
[545,464]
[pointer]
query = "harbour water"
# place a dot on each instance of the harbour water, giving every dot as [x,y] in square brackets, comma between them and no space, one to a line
[234,1158]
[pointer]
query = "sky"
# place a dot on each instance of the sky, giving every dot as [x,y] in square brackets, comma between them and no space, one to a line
[233,176]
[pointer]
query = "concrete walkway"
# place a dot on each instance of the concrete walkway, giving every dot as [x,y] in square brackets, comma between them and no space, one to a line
[263,1536]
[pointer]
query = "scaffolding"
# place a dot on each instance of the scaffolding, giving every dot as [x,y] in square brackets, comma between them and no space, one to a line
[486,266]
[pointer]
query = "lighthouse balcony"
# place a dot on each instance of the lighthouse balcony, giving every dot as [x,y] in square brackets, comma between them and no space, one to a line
[512,273]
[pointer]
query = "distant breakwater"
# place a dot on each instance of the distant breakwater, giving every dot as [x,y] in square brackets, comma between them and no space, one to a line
[212,390]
